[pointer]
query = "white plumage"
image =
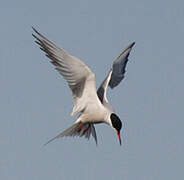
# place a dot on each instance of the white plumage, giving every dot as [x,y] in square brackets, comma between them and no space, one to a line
[91,105]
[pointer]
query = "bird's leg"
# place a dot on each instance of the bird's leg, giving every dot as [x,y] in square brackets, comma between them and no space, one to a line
[84,132]
[81,126]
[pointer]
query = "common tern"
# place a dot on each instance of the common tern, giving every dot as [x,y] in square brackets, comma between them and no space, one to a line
[91,105]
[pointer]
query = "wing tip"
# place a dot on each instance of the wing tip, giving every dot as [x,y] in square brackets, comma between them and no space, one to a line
[131,45]
[35,30]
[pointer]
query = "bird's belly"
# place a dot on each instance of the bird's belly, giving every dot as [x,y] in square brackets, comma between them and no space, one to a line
[94,114]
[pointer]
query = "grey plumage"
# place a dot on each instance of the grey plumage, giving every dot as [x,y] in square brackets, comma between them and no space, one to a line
[115,76]
[118,67]
[91,105]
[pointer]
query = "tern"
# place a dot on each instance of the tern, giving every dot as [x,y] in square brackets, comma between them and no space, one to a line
[91,105]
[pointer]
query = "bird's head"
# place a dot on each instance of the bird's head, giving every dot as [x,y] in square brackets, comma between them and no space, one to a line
[116,125]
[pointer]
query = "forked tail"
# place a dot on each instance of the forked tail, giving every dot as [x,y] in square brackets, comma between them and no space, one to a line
[78,129]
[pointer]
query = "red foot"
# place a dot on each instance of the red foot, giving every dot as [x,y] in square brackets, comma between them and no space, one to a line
[86,130]
[81,126]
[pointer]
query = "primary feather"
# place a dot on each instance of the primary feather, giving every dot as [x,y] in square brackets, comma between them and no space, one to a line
[77,74]
[115,76]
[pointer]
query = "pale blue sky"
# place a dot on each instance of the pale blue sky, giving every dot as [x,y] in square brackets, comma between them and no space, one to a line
[35,102]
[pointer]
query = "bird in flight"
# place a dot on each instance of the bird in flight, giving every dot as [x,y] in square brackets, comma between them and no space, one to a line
[91,105]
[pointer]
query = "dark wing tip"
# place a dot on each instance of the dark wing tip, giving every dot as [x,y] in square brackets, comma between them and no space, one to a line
[40,36]
[119,66]
[38,40]
[130,46]
[35,30]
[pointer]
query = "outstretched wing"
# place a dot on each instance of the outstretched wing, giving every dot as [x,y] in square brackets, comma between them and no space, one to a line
[115,76]
[78,129]
[77,74]
[118,67]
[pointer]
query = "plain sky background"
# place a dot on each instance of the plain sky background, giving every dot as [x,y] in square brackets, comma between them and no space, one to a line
[35,101]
